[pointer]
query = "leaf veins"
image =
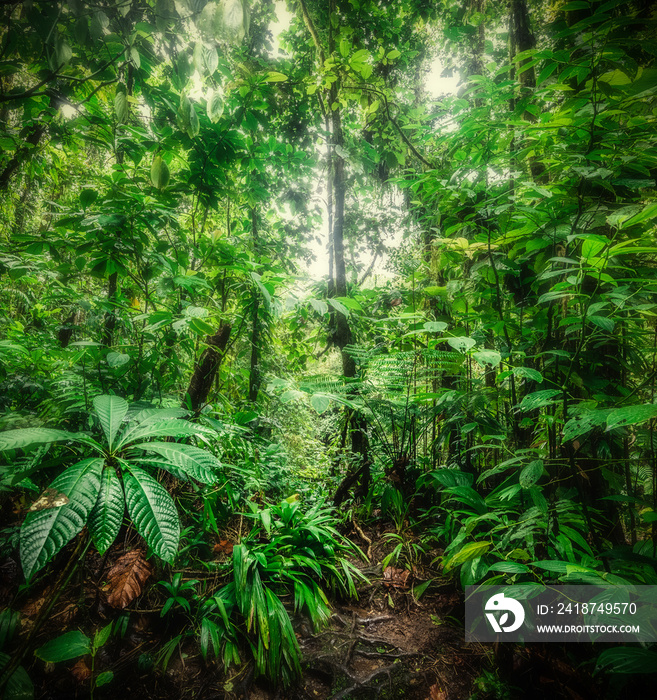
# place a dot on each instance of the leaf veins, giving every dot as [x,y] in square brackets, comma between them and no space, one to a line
[125,580]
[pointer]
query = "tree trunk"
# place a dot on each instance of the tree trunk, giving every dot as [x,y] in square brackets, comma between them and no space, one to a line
[342,336]
[206,369]
[521,39]
[254,373]
[21,154]
[110,317]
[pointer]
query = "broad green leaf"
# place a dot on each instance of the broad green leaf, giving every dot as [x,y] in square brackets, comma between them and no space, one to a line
[152,415]
[104,678]
[159,173]
[117,359]
[99,23]
[345,47]
[466,553]
[206,59]
[434,326]
[488,357]
[186,117]
[24,437]
[630,415]
[338,306]
[194,125]
[628,660]
[594,245]
[537,399]
[215,106]
[101,636]
[467,495]
[121,106]
[61,55]
[230,19]
[419,591]
[451,477]
[111,411]
[509,567]
[320,402]
[583,423]
[435,291]
[19,686]
[461,343]
[528,373]
[350,303]
[162,428]
[607,324]
[107,514]
[67,646]
[321,307]
[290,395]
[650,212]
[153,512]
[88,197]
[266,296]
[197,463]
[46,531]
[546,72]
[275,77]
[531,473]
[81,30]
[557,567]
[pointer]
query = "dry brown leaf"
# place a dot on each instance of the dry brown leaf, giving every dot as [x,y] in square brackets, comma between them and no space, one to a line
[33,608]
[224,547]
[435,693]
[125,580]
[68,613]
[81,672]
[396,578]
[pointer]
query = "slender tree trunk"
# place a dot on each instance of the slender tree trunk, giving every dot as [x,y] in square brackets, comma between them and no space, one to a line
[66,331]
[110,317]
[254,374]
[522,39]
[206,369]
[21,155]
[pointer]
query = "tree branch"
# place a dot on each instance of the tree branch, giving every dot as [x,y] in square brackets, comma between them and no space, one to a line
[307,19]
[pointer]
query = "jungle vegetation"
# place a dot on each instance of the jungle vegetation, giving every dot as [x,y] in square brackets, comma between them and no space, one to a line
[192,420]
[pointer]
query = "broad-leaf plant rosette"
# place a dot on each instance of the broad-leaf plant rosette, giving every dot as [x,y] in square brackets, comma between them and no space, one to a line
[95,491]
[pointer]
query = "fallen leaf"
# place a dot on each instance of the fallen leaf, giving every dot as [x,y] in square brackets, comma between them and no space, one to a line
[33,607]
[396,578]
[81,672]
[125,580]
[68,613]
[223,547]
[435,693]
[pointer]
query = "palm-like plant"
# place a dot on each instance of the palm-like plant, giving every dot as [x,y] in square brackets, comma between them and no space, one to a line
[95,491]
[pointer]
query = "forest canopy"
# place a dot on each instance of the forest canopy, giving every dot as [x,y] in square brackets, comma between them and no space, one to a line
[305,297]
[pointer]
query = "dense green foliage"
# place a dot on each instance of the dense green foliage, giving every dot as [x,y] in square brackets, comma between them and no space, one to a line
[166,177]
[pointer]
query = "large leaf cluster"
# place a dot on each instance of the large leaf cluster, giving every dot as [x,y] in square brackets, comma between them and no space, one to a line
[96,490]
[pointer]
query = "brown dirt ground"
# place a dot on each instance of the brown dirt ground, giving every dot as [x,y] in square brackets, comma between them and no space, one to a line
[386,645]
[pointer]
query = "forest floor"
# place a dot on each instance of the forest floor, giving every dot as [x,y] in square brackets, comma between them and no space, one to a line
[386,644]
